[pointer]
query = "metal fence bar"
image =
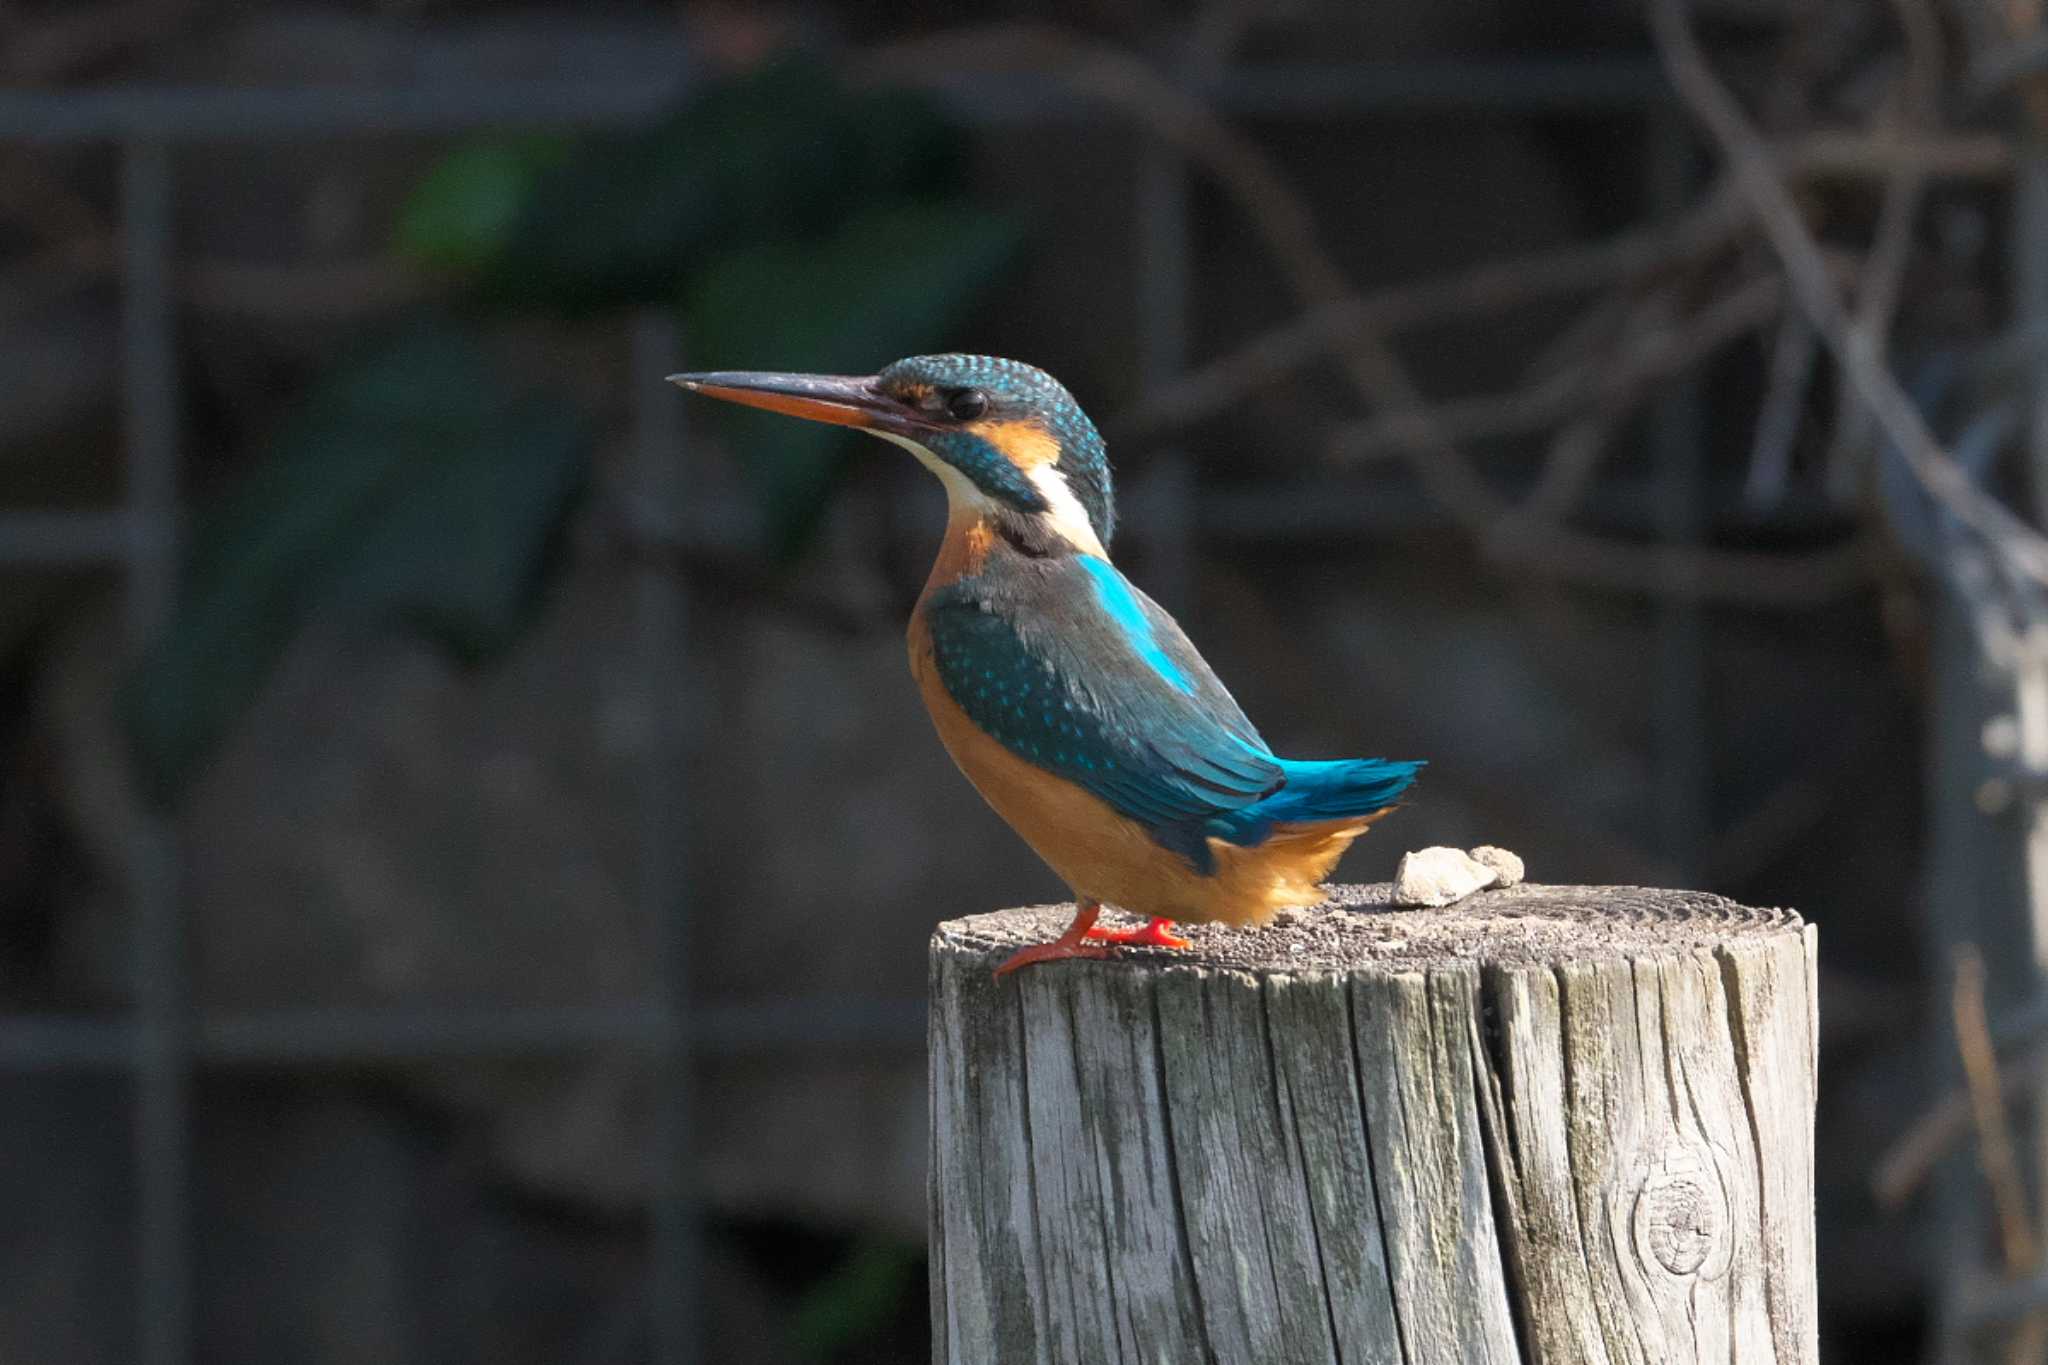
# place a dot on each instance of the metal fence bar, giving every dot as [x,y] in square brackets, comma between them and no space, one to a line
[1679,734]
[1163,269]
[334,1036]
[1267,90]
[163,1133]
[66,539]
[675,1252]
[208,114]
[30,1043]
[1520,86]
[1280,90]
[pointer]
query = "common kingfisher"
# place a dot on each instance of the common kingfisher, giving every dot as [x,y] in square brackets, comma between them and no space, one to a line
[1072,701]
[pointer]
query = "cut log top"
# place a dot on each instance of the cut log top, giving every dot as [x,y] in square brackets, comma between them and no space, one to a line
[1360,927]
[1549,1125]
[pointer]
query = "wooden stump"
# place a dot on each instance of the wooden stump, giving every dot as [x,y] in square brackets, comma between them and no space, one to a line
[1553,1124]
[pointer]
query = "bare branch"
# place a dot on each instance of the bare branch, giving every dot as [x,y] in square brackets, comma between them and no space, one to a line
[1777,422]
[2020,1247]
[2023,550]
[1841,155]
[1573,456]
[1650,356]
[1488,288]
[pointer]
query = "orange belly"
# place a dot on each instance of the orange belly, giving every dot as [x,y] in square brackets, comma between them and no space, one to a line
[1104,856]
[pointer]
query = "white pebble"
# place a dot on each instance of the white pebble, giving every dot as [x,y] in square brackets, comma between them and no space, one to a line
[1440,876]
[1507,867]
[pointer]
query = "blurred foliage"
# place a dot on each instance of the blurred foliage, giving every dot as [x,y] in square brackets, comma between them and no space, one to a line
[886,285]
[419,483]
[786,153]
[798,224]
[462,216]
[856,1300]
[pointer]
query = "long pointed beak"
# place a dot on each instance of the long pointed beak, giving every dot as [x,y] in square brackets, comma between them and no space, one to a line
[844,400]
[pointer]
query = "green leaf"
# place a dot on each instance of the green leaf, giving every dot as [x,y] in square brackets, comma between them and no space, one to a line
[893,282]
[416,484]
[782,152]
[463,214]
[855,1301]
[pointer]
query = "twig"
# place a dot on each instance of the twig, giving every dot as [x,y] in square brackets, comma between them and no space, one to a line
[1572,457]
[1597,325]
[1680,572]
[2004,534]
[1650,356]
[1576,448]
[1910,1159]
[1777,422]
[1884,271]
[1858,156]
[1489,288]
[2020,1247]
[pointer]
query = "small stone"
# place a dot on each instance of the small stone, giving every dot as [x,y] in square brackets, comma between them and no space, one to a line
[1284,917]
[1507,867]
[1437,877]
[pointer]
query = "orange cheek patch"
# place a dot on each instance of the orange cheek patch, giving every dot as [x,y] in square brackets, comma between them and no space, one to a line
[1026,445]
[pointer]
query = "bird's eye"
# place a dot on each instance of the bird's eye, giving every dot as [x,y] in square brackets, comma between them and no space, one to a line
[967,404]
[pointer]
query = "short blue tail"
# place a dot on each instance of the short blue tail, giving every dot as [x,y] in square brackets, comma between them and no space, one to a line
[1320,789]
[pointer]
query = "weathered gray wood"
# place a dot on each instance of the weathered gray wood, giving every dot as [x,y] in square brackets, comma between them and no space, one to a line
[1548,1124]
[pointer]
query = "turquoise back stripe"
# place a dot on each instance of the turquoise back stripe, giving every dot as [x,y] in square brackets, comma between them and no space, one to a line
[1116,598]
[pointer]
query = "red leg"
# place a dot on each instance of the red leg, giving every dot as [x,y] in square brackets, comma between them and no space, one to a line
[1072,943]
[1158,934]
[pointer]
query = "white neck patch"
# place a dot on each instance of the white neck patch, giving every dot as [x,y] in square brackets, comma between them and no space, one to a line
[1064,513]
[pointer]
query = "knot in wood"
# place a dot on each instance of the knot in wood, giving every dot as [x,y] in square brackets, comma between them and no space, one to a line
[1681,1214]
[1682,1222]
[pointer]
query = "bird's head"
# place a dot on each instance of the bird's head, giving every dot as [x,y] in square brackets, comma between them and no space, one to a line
[1003,437]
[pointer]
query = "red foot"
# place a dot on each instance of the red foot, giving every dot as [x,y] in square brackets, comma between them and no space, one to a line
[1158,934]
[1049,952]
[1069,944]
[1074,942]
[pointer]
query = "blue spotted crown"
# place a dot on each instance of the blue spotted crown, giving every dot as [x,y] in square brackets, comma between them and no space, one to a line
[1019,391]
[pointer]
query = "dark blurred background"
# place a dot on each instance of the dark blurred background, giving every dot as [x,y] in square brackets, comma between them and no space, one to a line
[467,836]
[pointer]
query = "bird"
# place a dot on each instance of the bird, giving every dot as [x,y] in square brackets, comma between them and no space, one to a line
[1071,701]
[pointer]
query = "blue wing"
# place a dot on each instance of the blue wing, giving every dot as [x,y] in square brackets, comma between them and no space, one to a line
[1071,668]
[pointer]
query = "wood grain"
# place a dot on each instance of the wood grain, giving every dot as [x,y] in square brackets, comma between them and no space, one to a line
[1548,1124]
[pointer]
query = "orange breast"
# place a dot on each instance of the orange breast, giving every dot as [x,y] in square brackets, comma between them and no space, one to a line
[1106,857]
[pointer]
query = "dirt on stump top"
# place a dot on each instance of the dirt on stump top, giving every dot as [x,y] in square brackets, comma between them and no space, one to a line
[1359,927]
